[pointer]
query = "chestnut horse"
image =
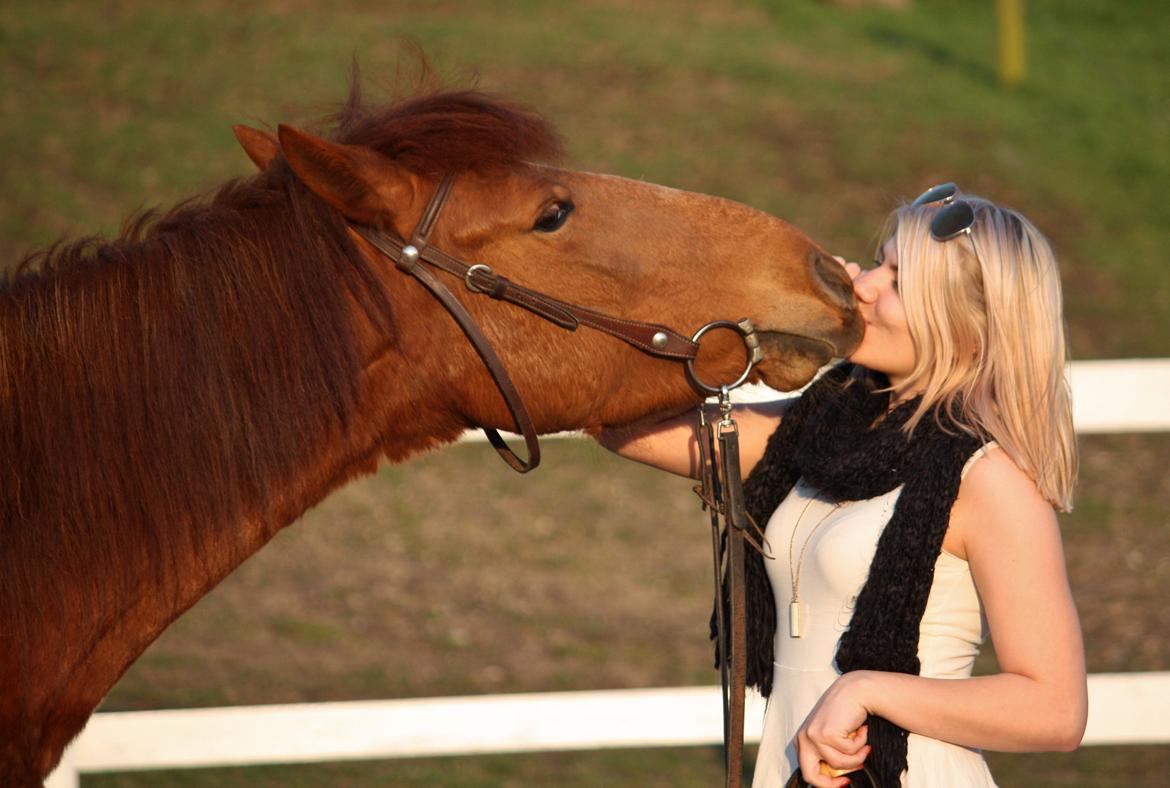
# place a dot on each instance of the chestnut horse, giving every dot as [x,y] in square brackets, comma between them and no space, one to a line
[171,399]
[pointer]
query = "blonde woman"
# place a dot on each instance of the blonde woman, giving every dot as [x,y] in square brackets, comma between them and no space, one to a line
[909,498]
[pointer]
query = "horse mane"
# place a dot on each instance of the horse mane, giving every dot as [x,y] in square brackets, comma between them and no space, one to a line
[158,389]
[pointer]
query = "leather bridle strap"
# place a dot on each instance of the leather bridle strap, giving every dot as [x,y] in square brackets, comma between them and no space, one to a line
[721,490]
[710,491]
[736,527]
[651,338]
[406,258]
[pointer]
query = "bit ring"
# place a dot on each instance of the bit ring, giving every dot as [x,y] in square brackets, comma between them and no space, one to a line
[747,333]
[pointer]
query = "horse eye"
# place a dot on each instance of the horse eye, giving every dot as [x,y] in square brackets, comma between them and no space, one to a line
[553,217]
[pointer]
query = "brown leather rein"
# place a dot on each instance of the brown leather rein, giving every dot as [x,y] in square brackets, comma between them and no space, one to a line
[721,489]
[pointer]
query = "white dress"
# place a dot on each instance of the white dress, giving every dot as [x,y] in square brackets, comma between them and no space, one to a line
[841,541]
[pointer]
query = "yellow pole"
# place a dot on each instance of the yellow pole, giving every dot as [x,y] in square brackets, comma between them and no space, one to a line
[1010,17]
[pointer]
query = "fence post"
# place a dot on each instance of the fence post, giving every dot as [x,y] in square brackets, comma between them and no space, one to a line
[66,774]
[1010,31]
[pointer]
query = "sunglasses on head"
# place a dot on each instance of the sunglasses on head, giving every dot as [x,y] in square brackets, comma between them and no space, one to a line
[955,217]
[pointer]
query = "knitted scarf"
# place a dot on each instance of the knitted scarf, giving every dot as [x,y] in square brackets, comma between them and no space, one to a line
[828,437]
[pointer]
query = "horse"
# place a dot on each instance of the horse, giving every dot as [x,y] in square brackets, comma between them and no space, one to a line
[172,398]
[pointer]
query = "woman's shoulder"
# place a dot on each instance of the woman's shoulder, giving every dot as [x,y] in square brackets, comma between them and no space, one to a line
[995,499]
[995,488]
[977,455]
[991,469]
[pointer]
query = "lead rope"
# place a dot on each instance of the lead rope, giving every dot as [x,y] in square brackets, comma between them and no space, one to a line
[710,492]
[721,492]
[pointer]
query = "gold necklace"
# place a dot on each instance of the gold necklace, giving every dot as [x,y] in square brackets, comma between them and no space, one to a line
[795,608]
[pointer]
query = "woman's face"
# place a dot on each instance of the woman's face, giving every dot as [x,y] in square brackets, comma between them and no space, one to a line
[886,346]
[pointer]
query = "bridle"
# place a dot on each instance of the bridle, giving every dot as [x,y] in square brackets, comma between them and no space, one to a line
[651,338]
[721,490]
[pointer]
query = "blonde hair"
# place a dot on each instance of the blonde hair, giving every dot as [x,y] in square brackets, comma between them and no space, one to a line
[990,336]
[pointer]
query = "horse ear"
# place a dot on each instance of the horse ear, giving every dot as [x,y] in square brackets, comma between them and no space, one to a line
[261,146]
[364,185]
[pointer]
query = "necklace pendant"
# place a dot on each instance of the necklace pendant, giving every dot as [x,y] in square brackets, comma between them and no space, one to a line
[795,619]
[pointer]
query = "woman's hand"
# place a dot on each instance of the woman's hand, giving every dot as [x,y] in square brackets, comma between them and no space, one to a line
[832,739]
[853,269]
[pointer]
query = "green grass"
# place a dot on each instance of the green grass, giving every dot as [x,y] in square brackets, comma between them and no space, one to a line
[595,574]
[1101,767]
[822,115]
[510,598]
[680,768]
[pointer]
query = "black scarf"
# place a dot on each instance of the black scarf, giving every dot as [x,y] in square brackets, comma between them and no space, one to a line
[828,437]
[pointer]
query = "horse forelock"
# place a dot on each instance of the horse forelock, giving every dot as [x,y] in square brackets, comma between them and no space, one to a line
[438,131]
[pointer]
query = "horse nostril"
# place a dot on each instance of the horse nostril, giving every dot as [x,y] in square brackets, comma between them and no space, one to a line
[832,278]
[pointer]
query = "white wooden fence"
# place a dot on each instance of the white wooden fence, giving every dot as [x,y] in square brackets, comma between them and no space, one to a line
[1124,708]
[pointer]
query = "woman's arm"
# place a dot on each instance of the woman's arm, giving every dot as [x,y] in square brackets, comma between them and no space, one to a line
[1039,700]
[672,444]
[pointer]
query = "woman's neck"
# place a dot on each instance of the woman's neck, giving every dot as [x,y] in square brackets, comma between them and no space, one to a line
[899,394]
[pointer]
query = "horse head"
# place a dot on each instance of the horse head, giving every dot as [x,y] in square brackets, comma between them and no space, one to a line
[627,248]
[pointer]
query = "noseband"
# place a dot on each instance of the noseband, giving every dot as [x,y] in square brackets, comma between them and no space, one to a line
[651,338]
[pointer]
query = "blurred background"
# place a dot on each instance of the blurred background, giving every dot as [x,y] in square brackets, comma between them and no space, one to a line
[595,573]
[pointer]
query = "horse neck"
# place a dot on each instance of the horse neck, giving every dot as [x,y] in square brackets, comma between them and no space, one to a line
[205,417]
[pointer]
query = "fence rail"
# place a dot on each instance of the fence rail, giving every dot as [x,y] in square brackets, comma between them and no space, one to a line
[1124,708]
